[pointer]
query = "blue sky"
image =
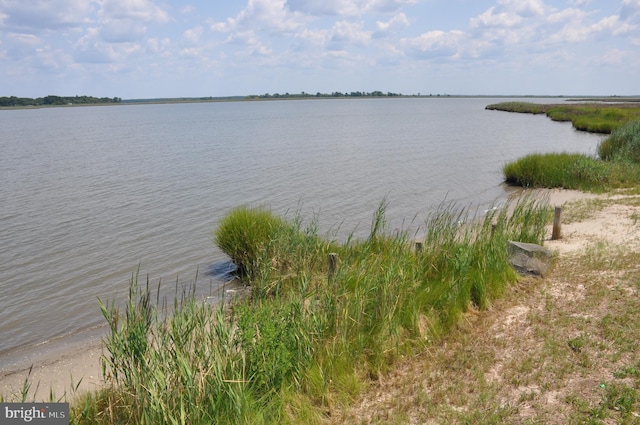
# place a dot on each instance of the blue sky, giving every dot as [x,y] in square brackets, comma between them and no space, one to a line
[162,48]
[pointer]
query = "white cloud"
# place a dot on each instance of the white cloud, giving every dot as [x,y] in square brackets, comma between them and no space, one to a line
[124,21]
[312,37]
[25,39]
[617,57]
[52,60]
[192,35]
[492,18]
[187,9]
[613,25]
[346,8]
[92,48]
[509,13]
[577,31]
[45,14]
[22,45]
[138,10]
[566,15]
[435,44]
[252,44]
[270,15]
[630,9]
[159,46]
[345,33]
[524,8]
[122,30]
[392,26]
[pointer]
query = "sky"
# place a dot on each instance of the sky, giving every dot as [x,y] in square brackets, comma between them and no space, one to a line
[191,48]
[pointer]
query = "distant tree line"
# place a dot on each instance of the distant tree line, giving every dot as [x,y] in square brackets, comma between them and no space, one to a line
[376,93]
[56,100]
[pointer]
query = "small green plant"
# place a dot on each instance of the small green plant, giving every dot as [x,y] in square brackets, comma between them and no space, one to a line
[621,398]
[576,344]
[629,371]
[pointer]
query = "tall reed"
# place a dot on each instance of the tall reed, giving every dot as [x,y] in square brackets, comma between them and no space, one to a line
[305,340]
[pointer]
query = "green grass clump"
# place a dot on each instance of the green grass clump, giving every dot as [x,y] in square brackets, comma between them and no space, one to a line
[570,171]
[623,144]
[619,165]
[305,341]
[245,233]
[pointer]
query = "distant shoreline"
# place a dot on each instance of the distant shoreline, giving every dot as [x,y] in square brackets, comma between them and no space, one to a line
[277,97]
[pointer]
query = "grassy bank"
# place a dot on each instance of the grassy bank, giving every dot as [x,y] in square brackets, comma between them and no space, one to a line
[305,342]
[618,165]
[591,117]
[563,350]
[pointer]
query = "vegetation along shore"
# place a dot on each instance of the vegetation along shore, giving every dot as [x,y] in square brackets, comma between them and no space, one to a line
[377,331]
[618,157]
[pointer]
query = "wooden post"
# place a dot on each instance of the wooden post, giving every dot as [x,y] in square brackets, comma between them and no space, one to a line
[556,233]
[333,263]
[418,247]
[493,229]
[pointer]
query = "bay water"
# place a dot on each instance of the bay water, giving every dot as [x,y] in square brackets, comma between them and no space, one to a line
[90,196]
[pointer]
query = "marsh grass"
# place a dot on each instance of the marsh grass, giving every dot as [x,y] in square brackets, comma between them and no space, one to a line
[618,164]
[591,117]
[304,343]
[570,171]
[623,145]
[618,167]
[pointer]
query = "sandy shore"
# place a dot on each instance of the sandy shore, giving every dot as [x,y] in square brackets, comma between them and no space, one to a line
[61,369]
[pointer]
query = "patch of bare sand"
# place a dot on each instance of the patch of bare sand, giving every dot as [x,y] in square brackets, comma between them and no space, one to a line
[65,372]
[616,223]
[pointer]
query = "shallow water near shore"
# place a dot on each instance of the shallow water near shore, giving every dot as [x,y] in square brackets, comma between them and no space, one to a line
[91,195]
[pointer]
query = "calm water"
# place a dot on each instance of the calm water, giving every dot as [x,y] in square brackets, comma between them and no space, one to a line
[89,194]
